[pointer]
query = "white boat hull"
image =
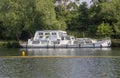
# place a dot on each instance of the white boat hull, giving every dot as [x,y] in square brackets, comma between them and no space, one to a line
[90,45]
[60,39]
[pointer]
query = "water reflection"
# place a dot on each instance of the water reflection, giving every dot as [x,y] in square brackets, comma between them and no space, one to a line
[9,52]
[51,52]
[68,52]
[55,67]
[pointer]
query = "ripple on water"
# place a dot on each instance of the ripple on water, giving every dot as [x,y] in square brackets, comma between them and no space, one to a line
[60,67]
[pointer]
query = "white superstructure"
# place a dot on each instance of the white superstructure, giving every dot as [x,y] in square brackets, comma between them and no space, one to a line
[50,38]
[60,39]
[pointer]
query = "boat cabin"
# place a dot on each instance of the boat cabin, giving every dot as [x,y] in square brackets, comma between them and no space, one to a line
[60,39]
[52,37]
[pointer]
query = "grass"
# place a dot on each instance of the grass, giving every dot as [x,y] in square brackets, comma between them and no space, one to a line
[9,44]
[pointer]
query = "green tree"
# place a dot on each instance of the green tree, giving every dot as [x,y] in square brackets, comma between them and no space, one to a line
[10,18]
[47,18]
[1,30]
[17,16]
[67,11]
[104,30]
[83,18]
[109,12]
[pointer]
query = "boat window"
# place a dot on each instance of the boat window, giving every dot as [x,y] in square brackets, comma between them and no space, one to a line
[40,33]
[67,38]
[47,33]
[40,36]
[62,38]
[54,33]
[47,36]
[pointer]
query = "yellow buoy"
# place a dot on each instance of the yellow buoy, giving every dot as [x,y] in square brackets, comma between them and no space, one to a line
[23,53]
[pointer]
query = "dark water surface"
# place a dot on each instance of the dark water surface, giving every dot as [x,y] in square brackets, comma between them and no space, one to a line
[61,52]
[81,65]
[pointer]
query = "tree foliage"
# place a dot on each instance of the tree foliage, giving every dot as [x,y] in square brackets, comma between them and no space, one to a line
[17,16]
[109,13]
[21,18]
[104,30]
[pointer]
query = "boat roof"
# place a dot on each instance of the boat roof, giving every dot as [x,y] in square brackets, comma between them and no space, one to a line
[51,31]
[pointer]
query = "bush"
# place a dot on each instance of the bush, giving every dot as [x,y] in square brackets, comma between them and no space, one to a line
[12,44]
[115,42]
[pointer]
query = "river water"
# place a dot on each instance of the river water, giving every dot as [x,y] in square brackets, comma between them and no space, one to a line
[60,63]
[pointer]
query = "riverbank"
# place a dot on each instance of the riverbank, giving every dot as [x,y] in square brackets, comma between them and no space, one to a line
[9,44]
[115,42]
[15,44]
